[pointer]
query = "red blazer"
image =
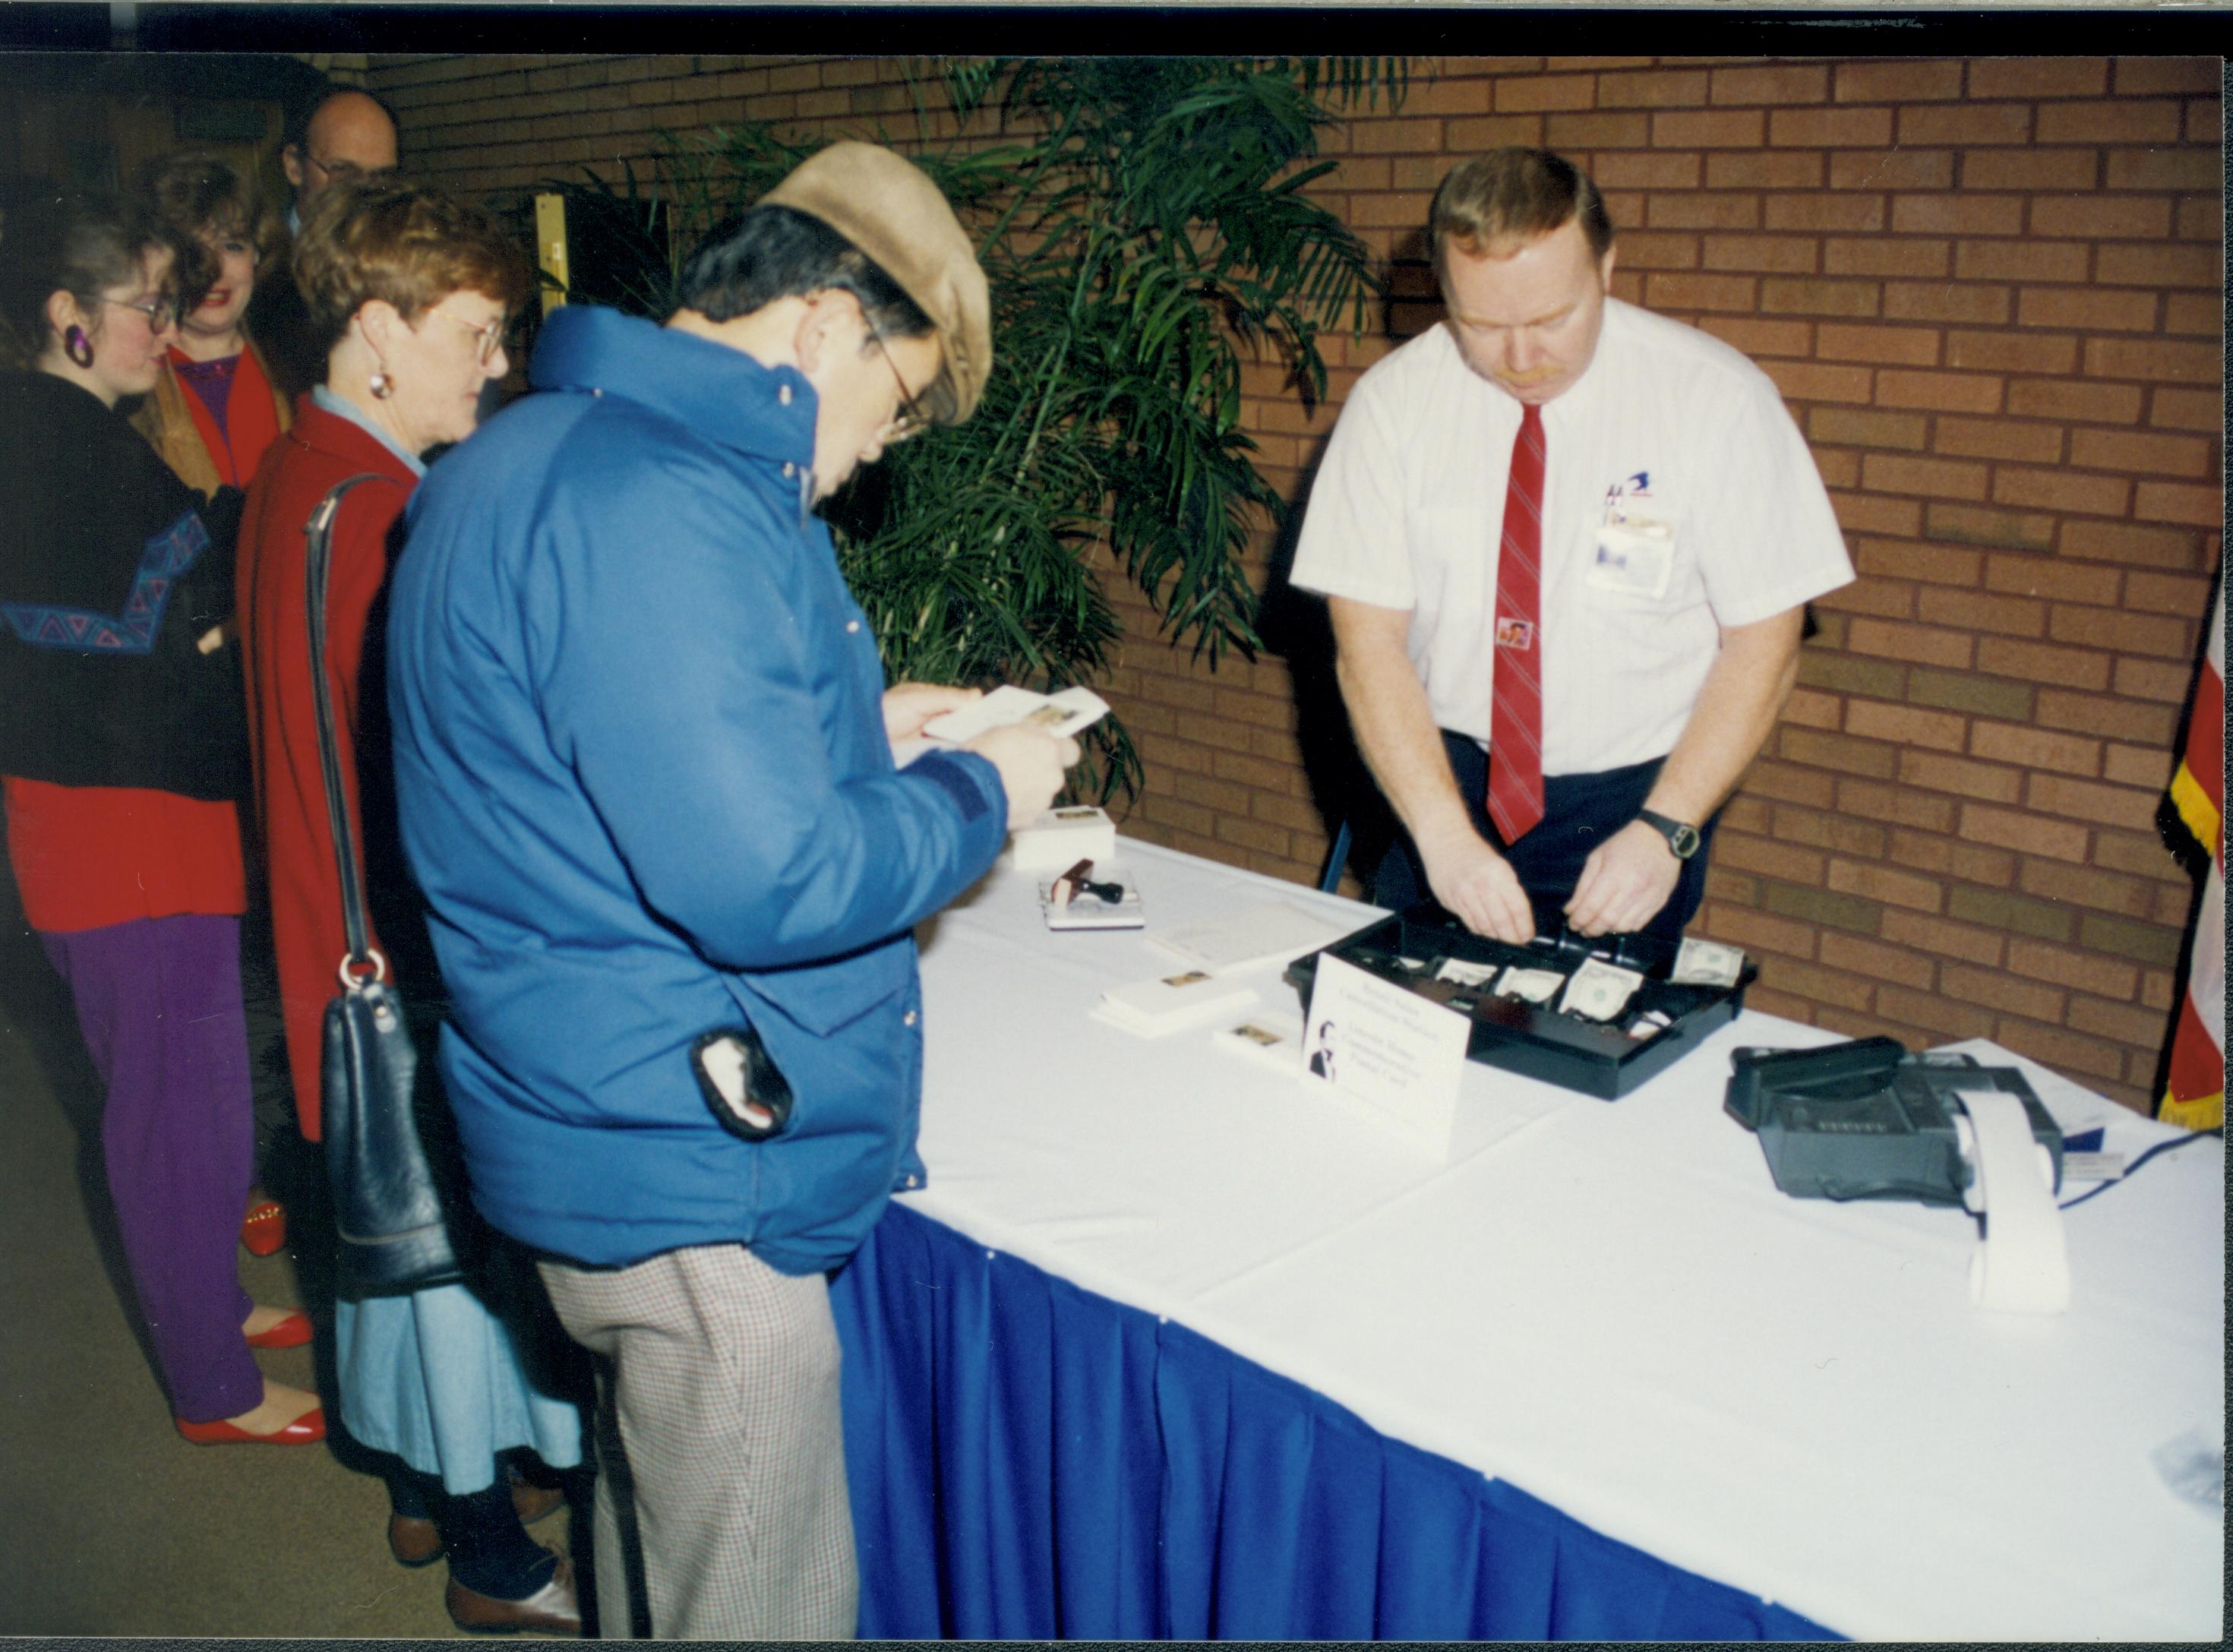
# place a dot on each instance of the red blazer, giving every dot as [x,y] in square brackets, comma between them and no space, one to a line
[290,794]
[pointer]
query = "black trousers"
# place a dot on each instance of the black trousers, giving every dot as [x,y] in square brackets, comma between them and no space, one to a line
[1579,812]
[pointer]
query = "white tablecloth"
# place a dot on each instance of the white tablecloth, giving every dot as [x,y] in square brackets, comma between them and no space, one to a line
[1610,1304]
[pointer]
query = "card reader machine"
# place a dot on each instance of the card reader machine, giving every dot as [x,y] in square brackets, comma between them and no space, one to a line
[1867,1119]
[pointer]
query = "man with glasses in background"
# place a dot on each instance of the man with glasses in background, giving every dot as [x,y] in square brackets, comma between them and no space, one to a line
[645,768]
[342,135]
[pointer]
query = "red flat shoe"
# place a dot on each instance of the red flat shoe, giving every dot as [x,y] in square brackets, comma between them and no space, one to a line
[293,1331]
[305,1430]
[263,1230]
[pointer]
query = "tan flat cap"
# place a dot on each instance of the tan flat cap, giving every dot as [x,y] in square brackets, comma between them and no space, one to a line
[887,207]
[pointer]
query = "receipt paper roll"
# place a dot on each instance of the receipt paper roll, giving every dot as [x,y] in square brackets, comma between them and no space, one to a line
[2023,1266]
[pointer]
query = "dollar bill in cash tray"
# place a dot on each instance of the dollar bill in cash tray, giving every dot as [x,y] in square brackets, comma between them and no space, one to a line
[1598,1014]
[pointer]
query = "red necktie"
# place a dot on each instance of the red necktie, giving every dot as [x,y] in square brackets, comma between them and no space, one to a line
[1515,716]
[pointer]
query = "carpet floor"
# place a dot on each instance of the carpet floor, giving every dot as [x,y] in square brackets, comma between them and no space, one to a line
[115,1526]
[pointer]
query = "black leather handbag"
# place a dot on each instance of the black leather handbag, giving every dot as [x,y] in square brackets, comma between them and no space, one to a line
[387,1207]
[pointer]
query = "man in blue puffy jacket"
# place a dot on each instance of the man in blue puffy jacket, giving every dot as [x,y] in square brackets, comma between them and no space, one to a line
[644,759]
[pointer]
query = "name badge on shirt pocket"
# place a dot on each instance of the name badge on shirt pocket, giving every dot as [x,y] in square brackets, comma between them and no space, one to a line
[1634,556]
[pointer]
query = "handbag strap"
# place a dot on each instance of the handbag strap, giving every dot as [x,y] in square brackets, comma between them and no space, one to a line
[318,531]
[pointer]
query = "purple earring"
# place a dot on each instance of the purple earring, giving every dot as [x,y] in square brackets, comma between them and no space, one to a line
[78,346]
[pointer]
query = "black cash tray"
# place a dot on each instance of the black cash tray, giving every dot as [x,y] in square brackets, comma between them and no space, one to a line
[1534,1039]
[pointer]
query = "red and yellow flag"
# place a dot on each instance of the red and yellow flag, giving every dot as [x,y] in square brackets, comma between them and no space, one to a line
[2194,1088]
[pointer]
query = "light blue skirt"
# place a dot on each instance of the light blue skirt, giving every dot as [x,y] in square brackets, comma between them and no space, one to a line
[434,1378]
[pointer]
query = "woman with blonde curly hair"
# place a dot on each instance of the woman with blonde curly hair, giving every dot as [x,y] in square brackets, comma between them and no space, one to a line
[213,411]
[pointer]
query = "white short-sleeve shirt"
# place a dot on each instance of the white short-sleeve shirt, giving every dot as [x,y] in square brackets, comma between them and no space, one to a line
[1679,498]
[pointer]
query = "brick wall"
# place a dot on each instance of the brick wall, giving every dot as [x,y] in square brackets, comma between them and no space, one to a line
[1990,289]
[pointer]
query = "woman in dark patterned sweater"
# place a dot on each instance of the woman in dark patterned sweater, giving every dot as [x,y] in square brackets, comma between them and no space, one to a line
[121,753]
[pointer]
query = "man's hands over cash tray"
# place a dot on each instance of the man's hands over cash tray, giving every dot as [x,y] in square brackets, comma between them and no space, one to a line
[1476,884]
[1625,882]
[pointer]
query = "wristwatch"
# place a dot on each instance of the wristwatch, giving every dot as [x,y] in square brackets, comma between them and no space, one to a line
[1682,839]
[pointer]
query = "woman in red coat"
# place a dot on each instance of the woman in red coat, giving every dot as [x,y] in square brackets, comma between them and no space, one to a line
[412,291]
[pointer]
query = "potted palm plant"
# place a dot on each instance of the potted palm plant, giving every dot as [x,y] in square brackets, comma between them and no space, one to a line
[1144,227]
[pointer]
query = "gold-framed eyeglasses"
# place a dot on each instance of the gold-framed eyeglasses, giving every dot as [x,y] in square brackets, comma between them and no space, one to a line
[161,311]
[347,172]
[911,421]
[491,334]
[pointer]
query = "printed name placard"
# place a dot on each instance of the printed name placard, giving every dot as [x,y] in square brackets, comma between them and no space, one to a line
[1398,1056]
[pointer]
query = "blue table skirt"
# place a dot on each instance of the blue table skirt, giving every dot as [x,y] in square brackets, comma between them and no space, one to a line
[1029,1460]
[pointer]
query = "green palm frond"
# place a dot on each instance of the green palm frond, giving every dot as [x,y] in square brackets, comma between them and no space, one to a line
[1141,221]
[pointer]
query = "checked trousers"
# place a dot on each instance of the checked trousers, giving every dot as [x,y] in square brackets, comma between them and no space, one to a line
[720,1450]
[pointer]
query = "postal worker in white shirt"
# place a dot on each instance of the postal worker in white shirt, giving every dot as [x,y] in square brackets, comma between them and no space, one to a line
[1568,547]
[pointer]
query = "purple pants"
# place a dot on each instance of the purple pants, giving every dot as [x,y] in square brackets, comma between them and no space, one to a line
[159,1003]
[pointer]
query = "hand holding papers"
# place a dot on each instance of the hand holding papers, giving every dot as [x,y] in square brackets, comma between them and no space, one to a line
[908,706]
[1000,728]
[1071,711]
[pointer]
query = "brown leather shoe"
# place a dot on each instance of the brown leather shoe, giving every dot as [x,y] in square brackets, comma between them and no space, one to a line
[532,1502]
[551,1609]
[413,1539]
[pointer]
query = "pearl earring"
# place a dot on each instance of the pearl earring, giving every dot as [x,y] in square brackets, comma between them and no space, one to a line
[381,386]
